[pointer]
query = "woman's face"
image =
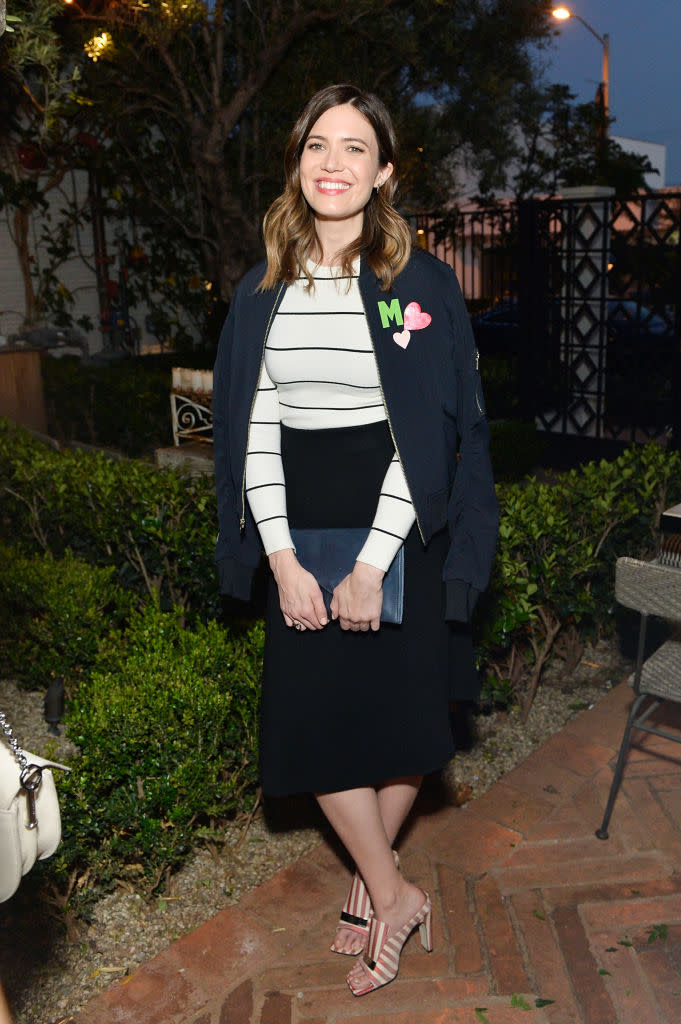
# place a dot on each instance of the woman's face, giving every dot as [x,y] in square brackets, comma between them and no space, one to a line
[339,167]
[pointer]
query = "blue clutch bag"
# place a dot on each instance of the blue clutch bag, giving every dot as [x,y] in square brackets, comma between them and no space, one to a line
[330,555]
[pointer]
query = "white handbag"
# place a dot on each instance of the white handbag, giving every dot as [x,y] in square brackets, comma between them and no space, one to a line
[30,823]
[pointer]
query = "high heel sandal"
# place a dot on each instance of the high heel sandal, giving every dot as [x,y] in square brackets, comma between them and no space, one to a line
[356,914]
[357,911]
[381,960]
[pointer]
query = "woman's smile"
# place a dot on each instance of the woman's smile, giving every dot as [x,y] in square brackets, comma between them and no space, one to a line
[331,186]
[339,167]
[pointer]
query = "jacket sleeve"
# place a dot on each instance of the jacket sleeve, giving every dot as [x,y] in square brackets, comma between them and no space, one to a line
[237,552]
[473,513]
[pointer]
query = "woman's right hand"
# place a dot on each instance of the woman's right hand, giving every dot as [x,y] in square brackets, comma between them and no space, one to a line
[300,597]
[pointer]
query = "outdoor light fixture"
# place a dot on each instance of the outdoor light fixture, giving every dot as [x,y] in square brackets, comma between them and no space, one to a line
[563,14]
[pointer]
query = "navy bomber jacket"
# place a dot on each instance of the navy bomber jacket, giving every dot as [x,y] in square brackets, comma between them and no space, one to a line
[428,368]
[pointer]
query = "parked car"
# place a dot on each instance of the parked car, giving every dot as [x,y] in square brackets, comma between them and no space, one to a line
[641,357]
[497,330]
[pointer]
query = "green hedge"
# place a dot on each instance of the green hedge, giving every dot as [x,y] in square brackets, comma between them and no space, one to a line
[54,614]
[125,405]
[554,571]
[164,717]
[516,448]
[156,527]
[166,726]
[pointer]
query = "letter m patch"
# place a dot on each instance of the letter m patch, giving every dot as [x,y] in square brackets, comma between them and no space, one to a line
[390,312]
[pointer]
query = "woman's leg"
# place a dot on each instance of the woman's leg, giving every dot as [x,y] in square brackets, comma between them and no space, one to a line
[395,800]
[5,1015]
[367,822]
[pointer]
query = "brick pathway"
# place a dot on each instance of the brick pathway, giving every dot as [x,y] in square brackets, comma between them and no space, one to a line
[530,907]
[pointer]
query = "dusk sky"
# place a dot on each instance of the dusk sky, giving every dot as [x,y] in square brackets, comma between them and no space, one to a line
[645,67]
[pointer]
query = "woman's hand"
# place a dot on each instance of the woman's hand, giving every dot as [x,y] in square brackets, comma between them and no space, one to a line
[300,597]
[358,599]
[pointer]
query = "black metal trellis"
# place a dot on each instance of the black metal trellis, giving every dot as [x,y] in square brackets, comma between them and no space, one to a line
[593,286]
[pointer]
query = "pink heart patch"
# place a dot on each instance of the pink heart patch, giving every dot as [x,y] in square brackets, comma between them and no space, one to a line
[402,337]
[414,319]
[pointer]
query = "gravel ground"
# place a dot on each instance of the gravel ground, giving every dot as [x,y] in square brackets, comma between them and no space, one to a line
[50,971]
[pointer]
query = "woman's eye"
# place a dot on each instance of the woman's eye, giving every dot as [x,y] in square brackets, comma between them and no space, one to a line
[315,145]
[356,149]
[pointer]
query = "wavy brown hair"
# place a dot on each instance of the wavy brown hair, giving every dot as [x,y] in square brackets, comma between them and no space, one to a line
[289,226]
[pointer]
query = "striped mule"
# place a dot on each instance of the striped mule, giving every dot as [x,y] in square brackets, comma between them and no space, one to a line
[357,912]
[355,915]
[381,960]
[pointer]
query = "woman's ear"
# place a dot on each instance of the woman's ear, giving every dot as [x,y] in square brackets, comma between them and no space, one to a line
[383,175]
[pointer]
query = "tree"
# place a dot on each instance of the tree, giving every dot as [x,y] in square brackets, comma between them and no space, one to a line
[561,144]
[40,142]
[196,99]
[190,103]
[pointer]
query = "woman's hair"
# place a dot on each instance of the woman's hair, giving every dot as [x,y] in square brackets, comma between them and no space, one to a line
[289,226]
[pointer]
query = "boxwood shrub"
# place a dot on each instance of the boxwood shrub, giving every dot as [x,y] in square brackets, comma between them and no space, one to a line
[54,612]
[157,528]
[166,726]
[164,717]
[555,565]
[123,405]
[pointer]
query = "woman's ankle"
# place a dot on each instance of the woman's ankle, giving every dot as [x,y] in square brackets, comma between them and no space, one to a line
[394,899]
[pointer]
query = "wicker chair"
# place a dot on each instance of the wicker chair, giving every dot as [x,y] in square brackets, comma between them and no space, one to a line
[651,588]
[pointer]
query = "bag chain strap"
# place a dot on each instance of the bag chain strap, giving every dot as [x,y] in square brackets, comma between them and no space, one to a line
[19,755]
[31,775]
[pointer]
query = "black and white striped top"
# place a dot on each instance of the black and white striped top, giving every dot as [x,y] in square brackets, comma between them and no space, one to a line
[320,372]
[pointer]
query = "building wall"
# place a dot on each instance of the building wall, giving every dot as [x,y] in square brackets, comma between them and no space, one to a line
[77,274]
[656,153]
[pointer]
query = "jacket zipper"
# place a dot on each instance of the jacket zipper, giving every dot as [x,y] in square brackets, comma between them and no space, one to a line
[242,520]
[477,369]
[387,413]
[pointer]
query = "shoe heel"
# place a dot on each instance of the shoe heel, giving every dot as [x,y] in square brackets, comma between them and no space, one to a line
[426,930]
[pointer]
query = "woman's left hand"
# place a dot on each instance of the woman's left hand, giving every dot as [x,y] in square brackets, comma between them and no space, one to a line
[358,599]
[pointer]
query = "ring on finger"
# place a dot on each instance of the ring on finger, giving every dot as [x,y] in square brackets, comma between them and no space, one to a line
[298,625]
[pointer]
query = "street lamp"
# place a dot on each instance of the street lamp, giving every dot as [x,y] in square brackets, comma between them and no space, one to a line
[562,14]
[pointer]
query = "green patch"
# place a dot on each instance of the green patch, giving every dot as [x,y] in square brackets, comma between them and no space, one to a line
[519,1003]
[390,312]
[658,933]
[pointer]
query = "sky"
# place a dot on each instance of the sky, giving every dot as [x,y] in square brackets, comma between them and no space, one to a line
[645,67]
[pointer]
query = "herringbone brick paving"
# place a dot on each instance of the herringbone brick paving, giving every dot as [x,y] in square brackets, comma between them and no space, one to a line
[537,921]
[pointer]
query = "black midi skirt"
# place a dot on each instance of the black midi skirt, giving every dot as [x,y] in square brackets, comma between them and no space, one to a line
[343,709]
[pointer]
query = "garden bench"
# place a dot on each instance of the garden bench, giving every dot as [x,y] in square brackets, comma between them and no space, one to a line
[191,405]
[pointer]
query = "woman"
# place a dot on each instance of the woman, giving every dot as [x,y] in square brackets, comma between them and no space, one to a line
[345,381]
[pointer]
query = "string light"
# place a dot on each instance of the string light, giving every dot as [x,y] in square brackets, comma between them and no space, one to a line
[98,45]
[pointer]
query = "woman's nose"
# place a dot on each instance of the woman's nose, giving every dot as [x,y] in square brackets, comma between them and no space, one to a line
[333,159]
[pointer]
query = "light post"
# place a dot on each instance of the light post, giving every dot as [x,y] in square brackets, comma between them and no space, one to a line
[562,14]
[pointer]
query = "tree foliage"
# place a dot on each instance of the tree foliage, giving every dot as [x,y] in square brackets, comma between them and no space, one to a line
[561,144]
[185,107]
[194,101]
[41,142]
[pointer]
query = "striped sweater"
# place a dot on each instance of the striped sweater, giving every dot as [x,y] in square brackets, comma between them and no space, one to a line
[320,372]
